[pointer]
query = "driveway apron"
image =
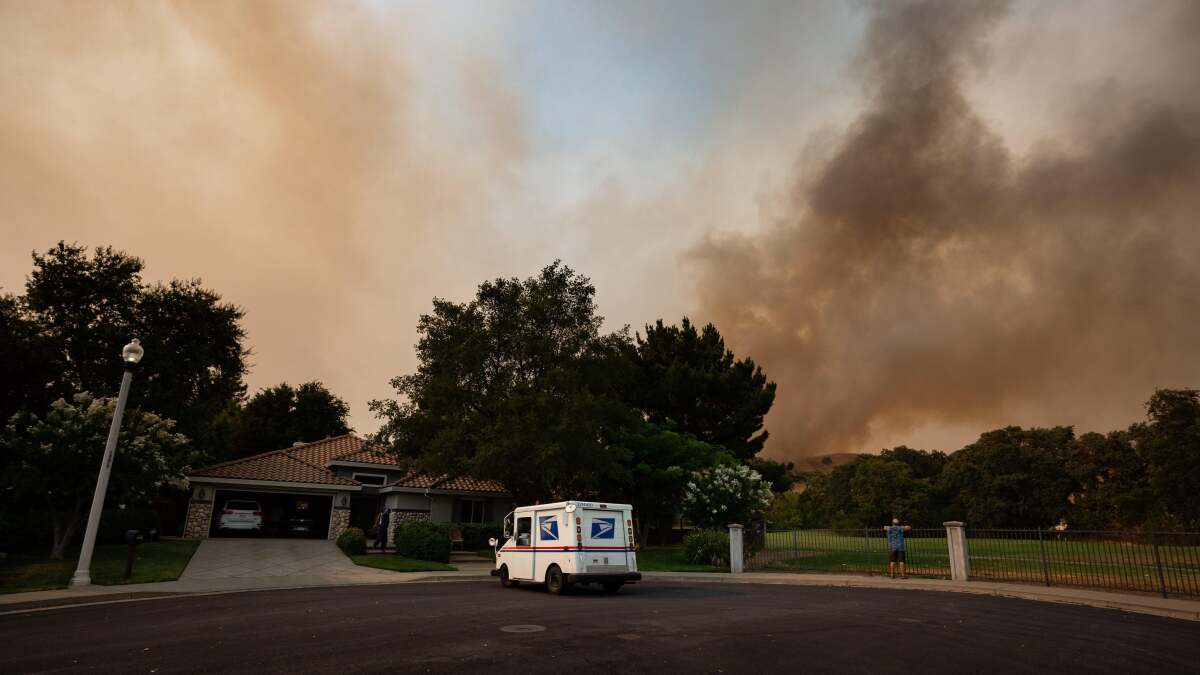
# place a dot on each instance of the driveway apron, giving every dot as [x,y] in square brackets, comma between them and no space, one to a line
[282,562]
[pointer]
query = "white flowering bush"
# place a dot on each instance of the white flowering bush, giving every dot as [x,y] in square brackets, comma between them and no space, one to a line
[720,495]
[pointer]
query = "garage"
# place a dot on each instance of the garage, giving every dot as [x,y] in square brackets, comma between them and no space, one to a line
[283,514]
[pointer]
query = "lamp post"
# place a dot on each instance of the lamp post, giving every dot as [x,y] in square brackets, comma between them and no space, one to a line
[130,355]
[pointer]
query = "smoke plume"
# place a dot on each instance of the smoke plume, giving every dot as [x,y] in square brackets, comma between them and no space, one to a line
[280,151]
[926,275]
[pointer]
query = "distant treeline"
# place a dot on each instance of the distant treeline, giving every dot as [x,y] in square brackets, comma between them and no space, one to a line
[1143,477]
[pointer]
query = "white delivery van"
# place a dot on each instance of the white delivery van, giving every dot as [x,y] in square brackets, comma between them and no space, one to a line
[567,543]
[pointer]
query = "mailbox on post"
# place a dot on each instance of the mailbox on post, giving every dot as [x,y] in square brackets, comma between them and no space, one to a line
[133,538]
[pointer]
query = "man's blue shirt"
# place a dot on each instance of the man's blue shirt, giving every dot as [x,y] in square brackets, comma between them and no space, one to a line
[895,535]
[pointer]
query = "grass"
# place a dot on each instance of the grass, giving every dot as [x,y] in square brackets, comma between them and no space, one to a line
[397,563]
[669,559]
[156,561]
[488,553]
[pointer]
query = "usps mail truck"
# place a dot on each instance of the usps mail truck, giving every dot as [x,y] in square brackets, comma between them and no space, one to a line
[567,543]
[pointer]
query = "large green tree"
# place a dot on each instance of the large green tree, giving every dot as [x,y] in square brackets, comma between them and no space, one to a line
[55,457]
[1114,490]
[1012,477]
[659,465]
[83,308]
[691,383]
[28,366]
[277,417]
[1169,444]
[517,385]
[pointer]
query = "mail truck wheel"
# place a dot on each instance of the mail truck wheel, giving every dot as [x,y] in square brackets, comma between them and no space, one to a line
[613,586]
[504,580]
[554,580]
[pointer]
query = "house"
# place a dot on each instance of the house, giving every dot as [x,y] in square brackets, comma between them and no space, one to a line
[336,482]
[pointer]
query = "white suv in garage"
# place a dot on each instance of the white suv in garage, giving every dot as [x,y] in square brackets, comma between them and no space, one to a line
[241,515]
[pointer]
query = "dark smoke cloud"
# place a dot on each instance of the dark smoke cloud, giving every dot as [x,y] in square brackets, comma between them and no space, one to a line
[925,274]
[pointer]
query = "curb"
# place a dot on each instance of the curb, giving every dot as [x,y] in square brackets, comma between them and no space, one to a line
[124,597]
[1186,610]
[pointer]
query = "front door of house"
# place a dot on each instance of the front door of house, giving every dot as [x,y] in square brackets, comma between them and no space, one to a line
[363,509]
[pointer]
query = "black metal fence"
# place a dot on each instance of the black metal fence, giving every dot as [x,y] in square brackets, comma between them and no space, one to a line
[857,551]
[1167,563]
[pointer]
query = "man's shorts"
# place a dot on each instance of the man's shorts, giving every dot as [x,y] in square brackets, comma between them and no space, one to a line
[897,556]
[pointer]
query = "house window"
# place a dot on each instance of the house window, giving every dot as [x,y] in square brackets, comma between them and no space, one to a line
[370,478]
[471,511]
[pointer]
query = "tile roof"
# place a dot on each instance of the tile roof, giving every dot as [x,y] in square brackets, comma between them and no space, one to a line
[309,463]
[368,455]
[469,484]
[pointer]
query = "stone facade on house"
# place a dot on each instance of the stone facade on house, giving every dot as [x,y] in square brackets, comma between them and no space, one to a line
[398,517]
[339,520]
[199,514]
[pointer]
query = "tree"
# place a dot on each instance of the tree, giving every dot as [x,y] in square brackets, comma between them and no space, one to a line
[692,384]
[1012,477]
[517,385]
[660,463]
[279,416]
[1114,488]
[27,362]
[55,459]
[781,475]
[726,494]
[1169,443]
[84,309]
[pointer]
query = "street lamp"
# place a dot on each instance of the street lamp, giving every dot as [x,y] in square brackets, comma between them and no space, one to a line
[130,355]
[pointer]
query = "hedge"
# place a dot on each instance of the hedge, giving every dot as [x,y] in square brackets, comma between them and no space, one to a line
[707,547]
[476,535]
[423,540]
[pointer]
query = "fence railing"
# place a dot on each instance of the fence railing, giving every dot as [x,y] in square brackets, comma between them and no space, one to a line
[857,551]
[1166,563]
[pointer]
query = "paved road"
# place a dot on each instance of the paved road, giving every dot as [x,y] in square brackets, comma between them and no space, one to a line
[714,628]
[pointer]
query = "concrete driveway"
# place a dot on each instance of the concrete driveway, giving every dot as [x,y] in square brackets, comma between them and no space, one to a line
[277,562]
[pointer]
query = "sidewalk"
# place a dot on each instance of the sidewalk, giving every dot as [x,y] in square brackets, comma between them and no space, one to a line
[133,592]
[1130,602]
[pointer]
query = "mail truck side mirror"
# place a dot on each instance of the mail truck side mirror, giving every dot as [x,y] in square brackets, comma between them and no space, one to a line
[492,542]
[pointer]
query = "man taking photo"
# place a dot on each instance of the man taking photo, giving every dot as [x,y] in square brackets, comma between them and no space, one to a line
[895,538]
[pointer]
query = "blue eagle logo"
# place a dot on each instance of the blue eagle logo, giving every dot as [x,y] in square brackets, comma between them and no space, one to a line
[604,528]
[548,526]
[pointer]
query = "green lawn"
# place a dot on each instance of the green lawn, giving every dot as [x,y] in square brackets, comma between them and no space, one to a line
[156,561]
[669,559]
[395,563]
[488,553]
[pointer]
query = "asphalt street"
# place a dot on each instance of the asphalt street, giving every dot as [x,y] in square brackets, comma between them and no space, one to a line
[652,627]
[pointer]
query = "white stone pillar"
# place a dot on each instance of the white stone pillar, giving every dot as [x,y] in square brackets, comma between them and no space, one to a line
[956,542]
[735,548]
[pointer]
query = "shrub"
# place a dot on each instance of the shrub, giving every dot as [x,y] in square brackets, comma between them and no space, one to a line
[476,535]
[726,494]
[423,540]
[353,541]
[707,547]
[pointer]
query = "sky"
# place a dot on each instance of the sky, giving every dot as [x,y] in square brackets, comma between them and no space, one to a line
[923,219]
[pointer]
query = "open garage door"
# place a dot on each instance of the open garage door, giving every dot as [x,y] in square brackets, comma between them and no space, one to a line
[283,514]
